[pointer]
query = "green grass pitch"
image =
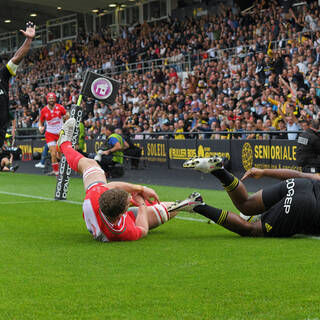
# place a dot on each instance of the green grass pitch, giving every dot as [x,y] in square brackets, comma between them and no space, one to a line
[52,269]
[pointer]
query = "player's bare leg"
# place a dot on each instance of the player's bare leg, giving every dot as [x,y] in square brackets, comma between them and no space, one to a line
[247,204]
[54,160]
[91,172]
[229,220]
[158,214]
[242,227]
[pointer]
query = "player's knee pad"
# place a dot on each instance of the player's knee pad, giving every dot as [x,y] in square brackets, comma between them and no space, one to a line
[161,213]
[92,170]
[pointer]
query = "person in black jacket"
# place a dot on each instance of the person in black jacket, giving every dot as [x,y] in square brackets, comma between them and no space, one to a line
[6,72]
[133,152]
[308,150]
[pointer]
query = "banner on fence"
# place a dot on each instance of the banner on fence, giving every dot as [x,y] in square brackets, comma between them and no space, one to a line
[243,154]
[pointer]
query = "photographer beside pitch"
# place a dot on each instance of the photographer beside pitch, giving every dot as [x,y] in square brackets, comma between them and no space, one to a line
[308,148]
[106,205]
[111,152]
[6,72]
[287,208]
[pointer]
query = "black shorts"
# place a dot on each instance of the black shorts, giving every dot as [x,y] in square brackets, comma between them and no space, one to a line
[291,208]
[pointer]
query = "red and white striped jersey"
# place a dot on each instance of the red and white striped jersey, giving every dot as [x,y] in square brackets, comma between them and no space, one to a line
[99,226]
[53,117]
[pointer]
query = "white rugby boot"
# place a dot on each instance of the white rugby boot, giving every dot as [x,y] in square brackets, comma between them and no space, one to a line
[98,156]
[67,131]
[193,200]
[40,165]
[205,165]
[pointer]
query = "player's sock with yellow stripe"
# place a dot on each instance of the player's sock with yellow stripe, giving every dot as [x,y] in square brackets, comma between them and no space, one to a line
[228,180]
[217,215]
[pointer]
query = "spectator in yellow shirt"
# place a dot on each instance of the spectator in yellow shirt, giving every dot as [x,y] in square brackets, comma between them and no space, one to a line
[179,129]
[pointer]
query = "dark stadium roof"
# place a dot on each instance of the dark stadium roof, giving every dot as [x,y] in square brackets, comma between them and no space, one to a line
[18,11]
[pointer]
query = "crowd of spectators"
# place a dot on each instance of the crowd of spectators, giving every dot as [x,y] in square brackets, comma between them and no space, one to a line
[232,73]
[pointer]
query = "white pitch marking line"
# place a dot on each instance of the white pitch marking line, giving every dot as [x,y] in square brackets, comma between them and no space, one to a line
[36,197]
[80,203]
[23,202]
[191,219]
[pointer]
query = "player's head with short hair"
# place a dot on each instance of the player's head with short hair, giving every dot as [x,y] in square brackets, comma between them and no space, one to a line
[113,203]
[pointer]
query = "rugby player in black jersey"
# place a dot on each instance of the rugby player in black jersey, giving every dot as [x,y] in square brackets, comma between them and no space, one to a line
[6,72]
[287,208]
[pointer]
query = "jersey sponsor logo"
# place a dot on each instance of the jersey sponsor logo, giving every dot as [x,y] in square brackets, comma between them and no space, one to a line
[288,200]
[1,91]
[268,227]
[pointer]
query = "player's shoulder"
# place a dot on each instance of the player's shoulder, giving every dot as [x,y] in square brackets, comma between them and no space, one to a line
[44,109]
[96,189]
[4,73]
[60,107]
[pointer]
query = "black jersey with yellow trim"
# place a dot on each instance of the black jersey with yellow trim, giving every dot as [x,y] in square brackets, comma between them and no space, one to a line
[292,207]
[4,95]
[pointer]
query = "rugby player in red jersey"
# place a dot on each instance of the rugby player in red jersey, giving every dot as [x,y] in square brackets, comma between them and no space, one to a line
[53,114]
[106,210]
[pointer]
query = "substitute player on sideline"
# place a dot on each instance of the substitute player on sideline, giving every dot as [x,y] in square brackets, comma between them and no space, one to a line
[53,113]
[287,208]
[6,72]
[106,205]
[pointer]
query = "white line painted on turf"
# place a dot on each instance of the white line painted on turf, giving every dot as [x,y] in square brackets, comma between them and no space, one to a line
[23,202]
[36,197]
[191,219]
[80,203]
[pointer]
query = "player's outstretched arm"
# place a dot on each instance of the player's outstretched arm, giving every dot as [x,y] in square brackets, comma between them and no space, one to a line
[115,148]
[29,33]
[41,126]
[142,218]
[281,174]
[146,193]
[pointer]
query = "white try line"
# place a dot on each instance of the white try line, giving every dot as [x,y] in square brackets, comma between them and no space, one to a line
[24,202]
[77,202]
[80,203]
[36,197]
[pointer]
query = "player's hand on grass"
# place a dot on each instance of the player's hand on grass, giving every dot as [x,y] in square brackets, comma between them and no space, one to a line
[149,194]
[253,173]
[30,31]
